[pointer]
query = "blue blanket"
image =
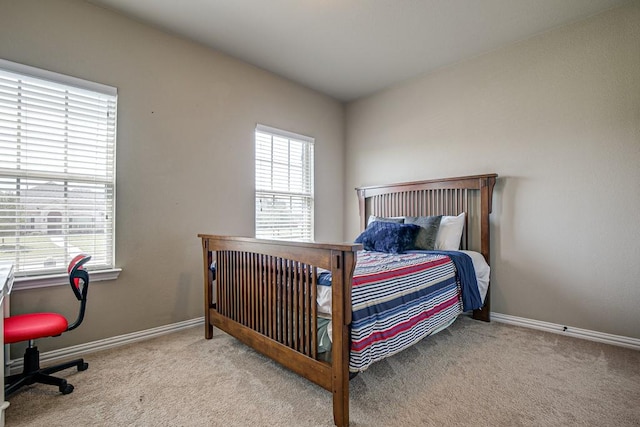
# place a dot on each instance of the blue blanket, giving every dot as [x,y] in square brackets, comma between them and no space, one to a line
[471,299]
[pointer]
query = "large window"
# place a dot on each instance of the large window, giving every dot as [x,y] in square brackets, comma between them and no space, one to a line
[57,170]
[284,185]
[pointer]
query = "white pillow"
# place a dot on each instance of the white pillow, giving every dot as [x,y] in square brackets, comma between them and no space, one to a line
[450,233]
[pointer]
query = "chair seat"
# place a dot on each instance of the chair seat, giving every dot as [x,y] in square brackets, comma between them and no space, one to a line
[31,326]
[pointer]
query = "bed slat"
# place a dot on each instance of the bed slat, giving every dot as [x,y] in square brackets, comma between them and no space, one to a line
[272,295]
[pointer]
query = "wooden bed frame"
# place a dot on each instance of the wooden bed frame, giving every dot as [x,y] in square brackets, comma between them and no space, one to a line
[265,290]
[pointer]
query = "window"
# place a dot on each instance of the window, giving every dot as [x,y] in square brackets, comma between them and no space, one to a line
[284,185]
[57,170]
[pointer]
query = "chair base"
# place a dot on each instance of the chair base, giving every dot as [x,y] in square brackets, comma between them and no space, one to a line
[32,373]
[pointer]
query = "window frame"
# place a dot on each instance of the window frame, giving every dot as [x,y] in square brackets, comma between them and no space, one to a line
[307,181]
[108,271]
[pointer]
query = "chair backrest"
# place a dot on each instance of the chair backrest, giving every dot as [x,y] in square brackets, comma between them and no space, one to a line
[79,281]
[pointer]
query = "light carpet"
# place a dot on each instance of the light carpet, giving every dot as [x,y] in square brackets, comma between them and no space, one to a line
[474,373]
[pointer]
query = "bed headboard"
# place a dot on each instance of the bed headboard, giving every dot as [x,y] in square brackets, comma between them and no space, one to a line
[447,196]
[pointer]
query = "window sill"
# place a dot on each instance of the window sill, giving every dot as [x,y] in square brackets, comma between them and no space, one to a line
[22,283]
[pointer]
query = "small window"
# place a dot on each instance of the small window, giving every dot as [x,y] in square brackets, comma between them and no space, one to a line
[57,170]
[284,185]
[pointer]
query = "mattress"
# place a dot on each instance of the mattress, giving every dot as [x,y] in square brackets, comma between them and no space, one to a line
[398,300]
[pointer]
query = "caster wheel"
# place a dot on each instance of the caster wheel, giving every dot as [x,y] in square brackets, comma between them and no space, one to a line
[66,388]
[83,367]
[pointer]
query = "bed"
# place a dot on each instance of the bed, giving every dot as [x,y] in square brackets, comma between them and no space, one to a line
[266,293]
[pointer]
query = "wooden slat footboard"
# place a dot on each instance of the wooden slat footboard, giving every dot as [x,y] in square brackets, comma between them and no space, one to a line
[265,296]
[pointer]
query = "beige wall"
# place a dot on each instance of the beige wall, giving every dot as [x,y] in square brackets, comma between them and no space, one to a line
[186,117]
[558,118]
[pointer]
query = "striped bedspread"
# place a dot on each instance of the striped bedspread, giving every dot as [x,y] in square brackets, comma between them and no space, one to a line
[397,301]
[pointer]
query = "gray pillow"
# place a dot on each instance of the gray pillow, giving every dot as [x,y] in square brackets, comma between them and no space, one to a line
[429,226]
[396,219]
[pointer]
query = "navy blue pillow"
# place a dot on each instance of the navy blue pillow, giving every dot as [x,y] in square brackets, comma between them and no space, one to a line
[389,237]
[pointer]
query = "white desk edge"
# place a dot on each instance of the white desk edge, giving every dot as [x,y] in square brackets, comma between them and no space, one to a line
[6,278]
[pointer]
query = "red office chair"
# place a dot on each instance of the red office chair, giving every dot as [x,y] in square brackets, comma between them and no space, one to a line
[28,327]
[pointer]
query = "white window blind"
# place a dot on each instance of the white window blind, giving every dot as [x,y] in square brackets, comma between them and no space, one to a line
[284,185]
[57,170]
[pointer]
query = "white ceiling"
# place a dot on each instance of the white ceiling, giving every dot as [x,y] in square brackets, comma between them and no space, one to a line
[352,48]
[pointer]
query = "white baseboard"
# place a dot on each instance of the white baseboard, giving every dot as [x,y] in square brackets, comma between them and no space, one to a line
[80,350]
[93,346]
[586,334]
